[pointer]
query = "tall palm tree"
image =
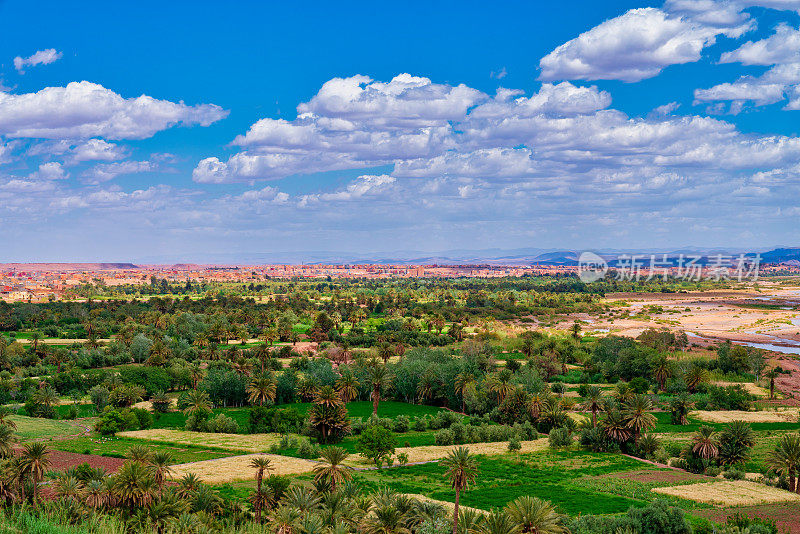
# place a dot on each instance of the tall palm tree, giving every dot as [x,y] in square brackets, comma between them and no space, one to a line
[593,401]
[160,462]
[380,378]
[536,516]
[772,374]
[35,461]
[637,417]
[332,469]
[785,459]
[662,371]
[262,465]
[461,468]
[464,382]
[704,443]
[261,390]
[95,493]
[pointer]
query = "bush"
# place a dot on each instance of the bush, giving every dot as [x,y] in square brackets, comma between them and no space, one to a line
[595,440]
[279,420]
[733,474]
[115,420]
[728,398]
[560,437]
[401,424]
[152,379]
[143,417]
[221,424]
[99,396]
[376,443]
[444,437]
[420,425]
[514,445]
[161,402]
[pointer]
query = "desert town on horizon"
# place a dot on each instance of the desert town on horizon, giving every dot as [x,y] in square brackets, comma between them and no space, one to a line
[44,282]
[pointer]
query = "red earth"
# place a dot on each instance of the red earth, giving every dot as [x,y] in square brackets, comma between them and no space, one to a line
[785,515]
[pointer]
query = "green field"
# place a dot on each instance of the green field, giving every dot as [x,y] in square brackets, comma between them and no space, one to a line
[555,476]
[118,447]
[35,428]
[363,409]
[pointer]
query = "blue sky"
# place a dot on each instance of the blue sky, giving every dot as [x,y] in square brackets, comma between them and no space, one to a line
[359,127]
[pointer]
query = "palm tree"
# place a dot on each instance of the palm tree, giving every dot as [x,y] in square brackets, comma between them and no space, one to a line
[5,420]
[535,405]
[498,522]
[134,485]
[704,443]
[35,461]
[735,442]
[772,374]
[461,469]
[262,464]
[615,427]
[380,378]
[199,401]
[95,492]
[536,516]
[347,386]
[7,440]
[139,453]
[593,401]
[332,470]
[284,520]
[680,406]
[160,462]
[328,415]
[69,488]
[637,416]
[386,518]
[501,385]
[261,390]
[695,377]
[464,382]
[662,371]
[785,459]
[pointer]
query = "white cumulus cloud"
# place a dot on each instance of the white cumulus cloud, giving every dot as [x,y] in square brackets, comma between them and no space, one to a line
[85,109]
[42,57]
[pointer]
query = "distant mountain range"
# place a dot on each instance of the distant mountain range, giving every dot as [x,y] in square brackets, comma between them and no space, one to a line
[497,257]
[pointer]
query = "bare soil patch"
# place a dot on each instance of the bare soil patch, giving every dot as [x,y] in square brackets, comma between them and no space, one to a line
[785,515]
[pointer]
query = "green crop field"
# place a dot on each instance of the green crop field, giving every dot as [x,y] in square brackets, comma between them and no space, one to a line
[550,475]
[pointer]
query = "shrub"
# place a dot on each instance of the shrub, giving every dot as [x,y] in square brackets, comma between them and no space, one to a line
[420,425]
[733,474]
[560,437]
[143,417]
[99,396]
[444,437]
[115,420]
[221,424]
[376,443]
[514,445]
[161,402]
[280,420]
[401,424]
